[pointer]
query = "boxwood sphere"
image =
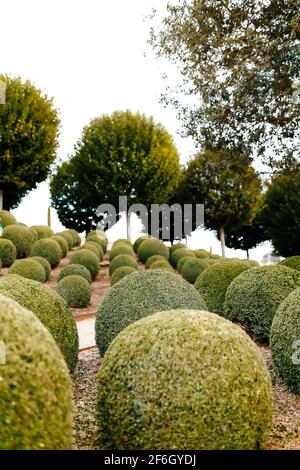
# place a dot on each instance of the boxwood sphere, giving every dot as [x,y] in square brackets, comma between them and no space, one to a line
[94,247]
[284,340]
[187,380]
[49,249]
[121,249]
[192,268]
[212,284]
[50,308]
[102,242]
[68,237]
[150,247]
[36,390]
[62,243]
[152,259]
[181,262]
[254,296]
[140,294]
[35,235]
[76,237]
[122,260]
[8,252]
[21,237]
[77,270]
[162,264]
[177,246]
[75,290]
[180,253]
[88,259]
[201,254]
[46,265]
[43,231]
[120,273]
[29,268]
[138,241]
[122,241]
[292,262]
[6,218]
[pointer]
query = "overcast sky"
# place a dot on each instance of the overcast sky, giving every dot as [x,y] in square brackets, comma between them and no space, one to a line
[91,56]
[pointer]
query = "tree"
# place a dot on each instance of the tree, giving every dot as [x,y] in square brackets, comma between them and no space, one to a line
[238,62]
[123,154]
[281,215]
[28,139]
[226,183]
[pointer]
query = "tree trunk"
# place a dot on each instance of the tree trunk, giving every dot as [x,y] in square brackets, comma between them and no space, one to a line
[1,199]
[247,251]
[222,239]
[49,217]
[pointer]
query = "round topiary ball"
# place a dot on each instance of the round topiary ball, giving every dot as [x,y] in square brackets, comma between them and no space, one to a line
[68,237]
[120,273]
[88,259]
[122,241]
[140,294]
[21,237]
[181,262]
[187,380]
[177,246]
[284,341]
[122,260]
[201,254]
[254,296]
[29,268]
[49,249]
[138,241]
[121,249]
[192,268]
[94,247]
[76,237]
[43,231]
[8,252]
[75,290]
[152,259]
[151,247]
[62,243]
[213,282]
[51,310]
[6,218]
[102,242]
[46,265]
[162,264]
[34,234]
[180,253]
[36,390]
[75,270]
[292,262]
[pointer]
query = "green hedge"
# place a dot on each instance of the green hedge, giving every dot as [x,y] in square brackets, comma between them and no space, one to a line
[21,237]
[121,272]
[49,249]
[88,259]
[29,268]
[152,247]
[43,231]
[36,390]
[46,265]
[62,243]
[140,294]
[50,308]
[6,218]
[192,268]
[187,380]
[8,252]
[75,290]
[77,270]
[122,260]
[254,296]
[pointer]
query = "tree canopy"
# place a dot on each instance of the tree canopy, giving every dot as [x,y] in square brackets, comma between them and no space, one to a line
[124,154]
[28,139]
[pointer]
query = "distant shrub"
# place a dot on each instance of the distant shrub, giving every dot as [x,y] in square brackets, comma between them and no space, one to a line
[43,231]
[87,259]
[138,241]
[292,262]
[99,238]
[8,252]
[177,246]
[34,234]
[75,270]
[46,265]
[75,290]
[62,243]
[21,237]
[29,268]
[152,247]
[201,254]
[181,262]
[49,249]
[180,253]
[122,241]
[6,218]
[192,268]
[94,247]
[121,272]
[68,237]
[162,264]
[152,259]
[121,249]
[76,237]
[122,260]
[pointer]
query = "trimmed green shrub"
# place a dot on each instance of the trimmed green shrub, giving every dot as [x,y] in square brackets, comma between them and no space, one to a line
[29,268]
[120,273]
[284,340]
[121,249]
[34,234]
[162,264]
[75,290]
[6,218]
[36,390]
[122,241]
[62,243]
[46,265]
[201,254]
[140,294]
[122,260]
[50,308]
[99,234]
[0,264]
[177,246]
[49,249]
[88,259]
[181,262]
[150,247]
[292,262]
[75,270]
[250,262]
[180,253]
[192,268]
[100,240]
[43,231]
[212,256]
[21,237]
[152,259]
[138,241]
[184,379]
[212,284]
[254,296]
[68,237]
[94,247]
[8,252]
[76,237]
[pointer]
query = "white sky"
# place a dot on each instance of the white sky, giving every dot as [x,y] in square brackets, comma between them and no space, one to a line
[90,56]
